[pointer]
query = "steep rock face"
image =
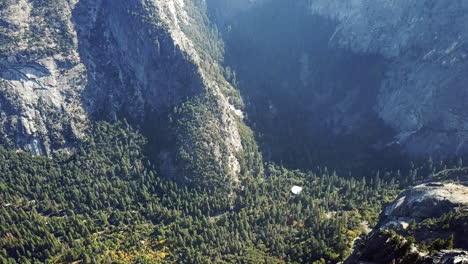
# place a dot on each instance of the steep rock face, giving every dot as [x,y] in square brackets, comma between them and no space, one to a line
[41,77]
[133,63]
[322,74]
[151,62]
[424,92]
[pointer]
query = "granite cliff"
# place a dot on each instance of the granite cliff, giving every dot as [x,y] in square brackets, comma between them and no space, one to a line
[425,224]
[154,63]
[423,93]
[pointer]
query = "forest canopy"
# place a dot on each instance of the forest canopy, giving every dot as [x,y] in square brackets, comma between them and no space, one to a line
[106,203]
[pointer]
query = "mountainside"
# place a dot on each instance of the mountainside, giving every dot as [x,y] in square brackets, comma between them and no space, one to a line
[423,92]
[361,75]
[180,131]
[150,62]
[318,77]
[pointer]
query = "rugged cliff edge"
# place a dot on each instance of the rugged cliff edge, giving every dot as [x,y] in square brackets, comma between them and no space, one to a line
[426,224]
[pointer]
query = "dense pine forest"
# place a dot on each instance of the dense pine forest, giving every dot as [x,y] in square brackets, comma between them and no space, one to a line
[106,203]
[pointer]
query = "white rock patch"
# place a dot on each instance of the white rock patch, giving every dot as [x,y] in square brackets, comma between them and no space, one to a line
[296,189]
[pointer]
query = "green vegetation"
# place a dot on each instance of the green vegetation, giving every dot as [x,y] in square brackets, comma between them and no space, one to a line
[447,232]
[201,149]
[418,240]
[107,203]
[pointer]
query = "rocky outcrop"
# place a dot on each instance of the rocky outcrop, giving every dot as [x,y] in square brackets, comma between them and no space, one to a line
[387,248]
[429,200]
[449,257]
[422,226]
